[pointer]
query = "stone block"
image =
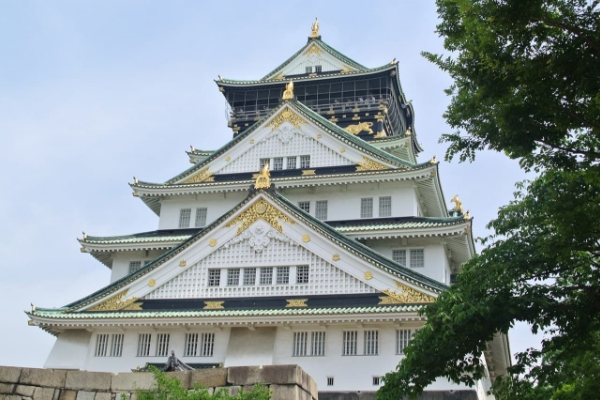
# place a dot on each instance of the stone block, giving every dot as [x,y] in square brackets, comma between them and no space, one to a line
[54,378]
[43,393]
[67,395]
[81,380]
[183,377]
[103,396]
[209,377]
[367,395]
[285,392]
[233,390]
[7,388]
[25,390]
[129,381]
[309,384]
[85,395]
[10,374]
[281,374]
[10,397]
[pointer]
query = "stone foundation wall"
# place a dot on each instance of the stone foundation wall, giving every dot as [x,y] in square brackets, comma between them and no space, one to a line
[286,382]
[428,395]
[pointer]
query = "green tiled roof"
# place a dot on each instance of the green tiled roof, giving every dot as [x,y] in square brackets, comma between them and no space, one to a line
[152,236]
[417,223]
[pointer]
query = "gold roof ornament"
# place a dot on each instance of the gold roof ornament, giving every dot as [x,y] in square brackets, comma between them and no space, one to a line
[458,205]
[263,180]
[288,93]
[433,160]
[467,216]
[314,29]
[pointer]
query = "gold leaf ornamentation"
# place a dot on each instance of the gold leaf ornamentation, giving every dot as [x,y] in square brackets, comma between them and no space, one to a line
[296,303]
[278,77]
[407,296]
[369,165]
[308,172]
[261,209]
[380,135]
[287,115]
[335,257]
[368,275]
[306,238]
[114,303]
[314,49]
[182,263]
[152,282]
[136,306]
[361,126]
[203,176]
[213,305]
[212,242]
[346,69]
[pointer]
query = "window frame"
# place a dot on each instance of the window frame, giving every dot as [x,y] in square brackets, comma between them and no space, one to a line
[201,215]
[366,207]
[185,218]
[385,210]
[321,212]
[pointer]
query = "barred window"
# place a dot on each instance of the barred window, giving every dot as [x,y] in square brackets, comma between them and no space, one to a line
[283,275]
[263,161]
[208,345]
[134,266]
[321,210]
[304,162]
[371,343]
[399,256]
[162,344]
[308,69]
[366,208]
[266,276]
[233,277]
[278,163]
[318,343]
[402,338]
[318,68]
[417,258]
[201,217]
[302,274]
[249,276]
[304,206]
[116,349]
[101,345]
[376,380]
[300,344]
[214,277]
[350,343]
[144,340]
[290,163]
[184,217]
[385,206]
[330,381]
[191,345]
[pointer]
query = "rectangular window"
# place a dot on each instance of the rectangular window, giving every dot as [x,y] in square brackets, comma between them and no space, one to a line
[277,163]
[201,217]
[134,266]
[350,343]
[144,344]
[376,380]
[318,343]
[402,339]
[371,343]
[308,70]
[208,345]
[385,206]
[366,208]
[184,217]
[330,381]
[399,256]
[321,210]
[263,161]
[304,206]
[318,68]
[266,276]
[283,275]
[304,162]
[191,345]
[233,277]
[300,344]
[214,277]
[290,163]
[101,345]
[162,344]
[249,276]
[302,274]
[417,258]
[116,350]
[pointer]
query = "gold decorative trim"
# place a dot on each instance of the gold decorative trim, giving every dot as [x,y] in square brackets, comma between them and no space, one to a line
[313,49]
[227,158]
[135,194]
[263,180]
[306,238]
[368,275]
[406,144]
[288,93]
[335,257]
[358,128]
[346,69]
[286,115]
[319,136]
[251,141]
[380,134]
[152,282]
[213,305]
[334,119]
[212,242]
[356,117]
[342,150]
[314,29]
[296,303]
[203,176]
[379,117]
[182,263]
[137,306]
[278,77]
[308,172]
[369,165]
[407,296]
[261,209]
[114,303]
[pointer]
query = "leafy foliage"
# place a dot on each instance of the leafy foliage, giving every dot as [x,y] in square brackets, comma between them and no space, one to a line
[526,82]
[169,388]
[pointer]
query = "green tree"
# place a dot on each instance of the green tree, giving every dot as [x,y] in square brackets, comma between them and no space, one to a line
[169,388]
[526,82]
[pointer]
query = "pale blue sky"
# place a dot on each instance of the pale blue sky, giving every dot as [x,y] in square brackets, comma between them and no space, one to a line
[92,93]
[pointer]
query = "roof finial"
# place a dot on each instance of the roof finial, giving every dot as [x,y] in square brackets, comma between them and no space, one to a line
[135,180]
[314,30]
[263,180]
[288,93]
[458,206]
[84,235]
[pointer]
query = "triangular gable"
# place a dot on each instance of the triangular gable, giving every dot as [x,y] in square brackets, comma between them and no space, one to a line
[273,213]
[315,52]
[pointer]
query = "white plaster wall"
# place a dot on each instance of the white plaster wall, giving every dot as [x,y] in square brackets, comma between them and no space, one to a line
[69,350]
[121,261]
[216,204]
[250,347]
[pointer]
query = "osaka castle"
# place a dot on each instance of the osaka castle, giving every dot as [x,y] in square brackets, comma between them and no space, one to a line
[313,237]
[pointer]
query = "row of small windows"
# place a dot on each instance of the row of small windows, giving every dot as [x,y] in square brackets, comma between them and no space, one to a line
[258,276]
[320,208]
[149,345]
[318,69]
[185,217]
[413,258]
[385,207]
[376,381]
[279,163]
[136,265]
